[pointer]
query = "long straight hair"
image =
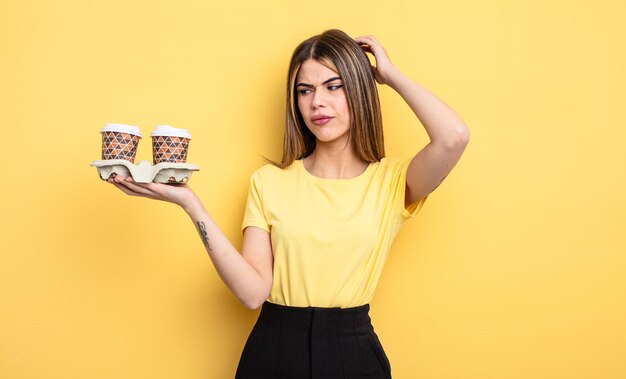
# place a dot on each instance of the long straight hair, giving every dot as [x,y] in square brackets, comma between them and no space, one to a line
[340,53]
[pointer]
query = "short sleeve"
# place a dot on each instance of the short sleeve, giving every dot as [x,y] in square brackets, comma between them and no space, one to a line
[254,214]
[400,170]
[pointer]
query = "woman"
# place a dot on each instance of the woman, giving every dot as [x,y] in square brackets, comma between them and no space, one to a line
[318,225]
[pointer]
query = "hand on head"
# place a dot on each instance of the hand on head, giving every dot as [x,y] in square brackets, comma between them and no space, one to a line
[369,44]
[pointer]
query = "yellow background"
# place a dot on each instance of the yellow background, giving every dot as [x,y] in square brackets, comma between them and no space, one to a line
[515,267]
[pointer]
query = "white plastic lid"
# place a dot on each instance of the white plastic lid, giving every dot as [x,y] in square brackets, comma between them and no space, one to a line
[166,130]
[121,128]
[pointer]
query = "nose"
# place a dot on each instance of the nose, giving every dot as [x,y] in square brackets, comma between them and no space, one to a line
[318,99]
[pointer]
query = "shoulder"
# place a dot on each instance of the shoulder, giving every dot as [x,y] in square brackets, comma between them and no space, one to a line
[394,165]
[271,172]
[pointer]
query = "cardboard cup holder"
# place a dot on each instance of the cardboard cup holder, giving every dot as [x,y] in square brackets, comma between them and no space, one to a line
[144,172]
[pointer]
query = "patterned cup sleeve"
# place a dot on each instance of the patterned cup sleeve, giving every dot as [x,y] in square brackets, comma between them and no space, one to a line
[118,145]
[169,149]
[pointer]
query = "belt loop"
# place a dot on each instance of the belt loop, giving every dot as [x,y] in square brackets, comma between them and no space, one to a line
[334,345]
[319,343]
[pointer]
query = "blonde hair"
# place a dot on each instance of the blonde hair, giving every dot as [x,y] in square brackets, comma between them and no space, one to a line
[339,52]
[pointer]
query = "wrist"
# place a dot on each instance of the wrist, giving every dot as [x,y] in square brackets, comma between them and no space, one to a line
[191,204]
[393,77]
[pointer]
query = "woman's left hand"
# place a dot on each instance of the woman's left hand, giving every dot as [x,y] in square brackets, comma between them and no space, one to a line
[383,64]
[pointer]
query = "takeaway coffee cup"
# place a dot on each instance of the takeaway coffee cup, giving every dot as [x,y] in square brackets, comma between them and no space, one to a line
[119,141]
[169,144]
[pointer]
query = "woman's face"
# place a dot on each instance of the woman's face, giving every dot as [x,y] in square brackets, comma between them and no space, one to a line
[322,102]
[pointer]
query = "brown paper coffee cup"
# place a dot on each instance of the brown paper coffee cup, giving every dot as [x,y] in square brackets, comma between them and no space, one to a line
[119,141]
[169,144]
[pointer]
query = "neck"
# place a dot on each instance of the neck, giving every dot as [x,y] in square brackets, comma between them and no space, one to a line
[333,163]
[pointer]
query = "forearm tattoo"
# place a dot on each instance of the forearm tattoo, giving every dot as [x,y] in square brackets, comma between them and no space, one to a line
[204,235]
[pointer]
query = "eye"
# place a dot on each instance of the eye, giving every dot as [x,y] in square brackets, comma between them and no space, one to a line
[335,87]
[304,91]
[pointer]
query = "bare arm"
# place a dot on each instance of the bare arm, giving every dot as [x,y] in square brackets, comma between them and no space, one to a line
[249,274]
[448,133]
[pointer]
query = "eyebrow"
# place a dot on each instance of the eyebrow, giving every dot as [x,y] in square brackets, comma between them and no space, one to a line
[311,85]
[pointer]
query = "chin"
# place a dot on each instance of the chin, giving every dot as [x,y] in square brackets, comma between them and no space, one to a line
[327,139]
[329,135]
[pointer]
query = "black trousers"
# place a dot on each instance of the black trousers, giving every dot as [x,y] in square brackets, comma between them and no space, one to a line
[313,343]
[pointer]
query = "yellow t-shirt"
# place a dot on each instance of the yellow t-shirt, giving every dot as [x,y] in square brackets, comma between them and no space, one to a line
[330,237]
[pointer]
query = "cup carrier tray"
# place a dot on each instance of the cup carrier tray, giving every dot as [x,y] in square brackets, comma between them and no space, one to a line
[144,172]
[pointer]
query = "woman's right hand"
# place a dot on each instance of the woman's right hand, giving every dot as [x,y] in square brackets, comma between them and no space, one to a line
[176,193]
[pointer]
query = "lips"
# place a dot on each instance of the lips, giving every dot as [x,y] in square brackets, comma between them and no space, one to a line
[320,119]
